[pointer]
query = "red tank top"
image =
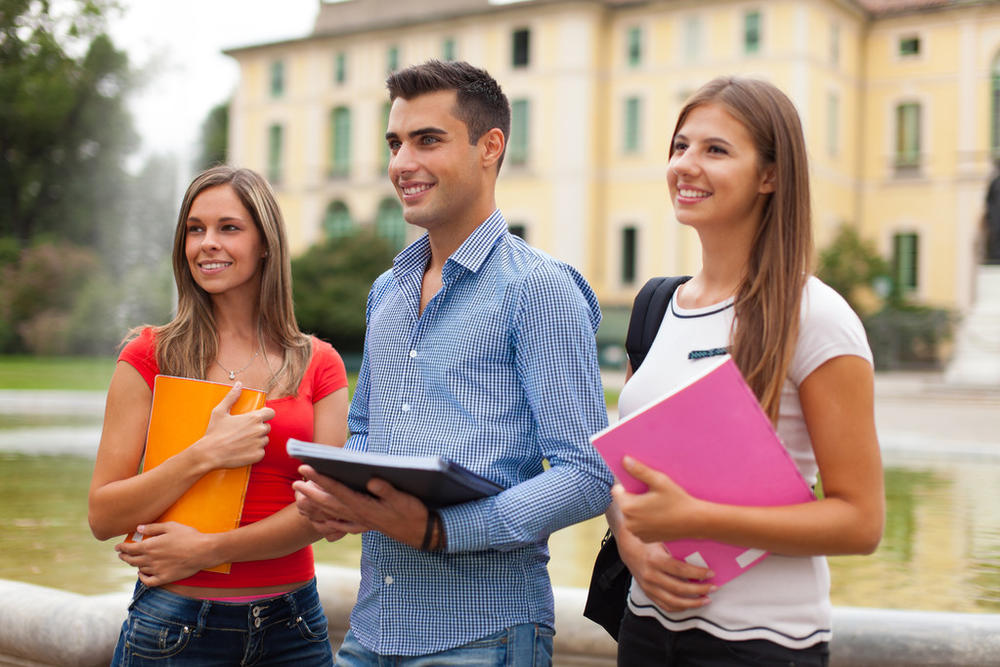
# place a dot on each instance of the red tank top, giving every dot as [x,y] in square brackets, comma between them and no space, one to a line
[270,486]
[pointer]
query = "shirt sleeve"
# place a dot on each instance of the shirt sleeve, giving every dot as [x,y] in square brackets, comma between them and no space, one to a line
[330,374]
[140,353]
[556,355]
[828,328]
[357,415]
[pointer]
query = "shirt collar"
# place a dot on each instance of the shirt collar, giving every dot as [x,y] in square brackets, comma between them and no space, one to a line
[470,255]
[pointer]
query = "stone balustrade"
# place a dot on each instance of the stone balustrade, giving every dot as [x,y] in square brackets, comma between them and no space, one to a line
[43,626]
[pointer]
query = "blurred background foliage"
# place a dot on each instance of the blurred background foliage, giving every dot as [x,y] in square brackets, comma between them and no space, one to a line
[330,282]
[86,234]
[902,334]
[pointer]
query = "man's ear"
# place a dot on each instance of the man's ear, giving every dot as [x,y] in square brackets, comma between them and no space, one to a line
[492,145]
[768,180]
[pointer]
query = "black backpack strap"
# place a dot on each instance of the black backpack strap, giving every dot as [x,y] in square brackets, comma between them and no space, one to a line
[647,312]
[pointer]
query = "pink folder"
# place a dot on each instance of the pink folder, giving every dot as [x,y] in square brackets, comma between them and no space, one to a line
[713,439]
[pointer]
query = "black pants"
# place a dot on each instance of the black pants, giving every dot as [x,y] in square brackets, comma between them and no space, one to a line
[643,642]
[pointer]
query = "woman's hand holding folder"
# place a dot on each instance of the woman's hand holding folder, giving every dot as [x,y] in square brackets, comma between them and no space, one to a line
[231,441]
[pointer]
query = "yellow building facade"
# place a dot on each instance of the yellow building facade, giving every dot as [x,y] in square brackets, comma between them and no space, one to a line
[897,98]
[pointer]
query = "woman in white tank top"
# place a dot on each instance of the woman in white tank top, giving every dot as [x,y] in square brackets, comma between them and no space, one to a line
[738,176]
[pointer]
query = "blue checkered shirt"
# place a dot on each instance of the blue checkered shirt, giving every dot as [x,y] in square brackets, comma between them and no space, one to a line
[498,373]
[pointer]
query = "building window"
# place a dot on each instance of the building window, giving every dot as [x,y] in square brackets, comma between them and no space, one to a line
[633,113]
[386,153]
[832,124]
[692,38]
[521,48]
[275,149]
[340,142]
[337,221]
[904,261]
[835,44]
[995,109]
[392,59]
[909,46]
[389,223]
[340,68]
[751,32]
[277,78]
[629,238]
[634,46]
[907,136]
[518,230]
[448,49]
[520,121]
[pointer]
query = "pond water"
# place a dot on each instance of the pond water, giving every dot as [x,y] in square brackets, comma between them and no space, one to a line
[941,549]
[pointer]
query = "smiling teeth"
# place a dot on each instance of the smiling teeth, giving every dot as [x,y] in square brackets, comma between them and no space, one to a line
[693,193]
[414,189]
[215,265]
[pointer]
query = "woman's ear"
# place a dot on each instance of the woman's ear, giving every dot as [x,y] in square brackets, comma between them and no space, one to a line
[769,176]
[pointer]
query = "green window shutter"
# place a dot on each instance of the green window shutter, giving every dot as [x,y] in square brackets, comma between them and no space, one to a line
[389,223]
[633,112]
[340,147]
[634,47]
[337,221]
[751,32]
[908,135]
[520,122]
[277,78]
[275,139]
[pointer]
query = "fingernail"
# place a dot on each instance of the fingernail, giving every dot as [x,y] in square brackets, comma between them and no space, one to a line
[713,588]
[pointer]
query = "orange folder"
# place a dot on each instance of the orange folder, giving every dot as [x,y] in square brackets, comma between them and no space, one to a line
[179,417]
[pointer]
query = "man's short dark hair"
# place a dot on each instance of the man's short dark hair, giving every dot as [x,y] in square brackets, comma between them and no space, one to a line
[480,104]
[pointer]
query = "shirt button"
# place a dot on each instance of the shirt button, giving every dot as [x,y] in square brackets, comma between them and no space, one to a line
[388,580]
[406,407]
[413,354]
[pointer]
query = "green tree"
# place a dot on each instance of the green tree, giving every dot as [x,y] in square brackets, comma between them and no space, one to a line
[214,137]
[331,281]
[851,265]
[64,128]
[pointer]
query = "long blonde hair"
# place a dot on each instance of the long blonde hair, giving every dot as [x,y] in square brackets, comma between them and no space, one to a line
[769,297]
[189,343]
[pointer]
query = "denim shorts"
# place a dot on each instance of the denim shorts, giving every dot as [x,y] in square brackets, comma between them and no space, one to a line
[526,645]
[163,628]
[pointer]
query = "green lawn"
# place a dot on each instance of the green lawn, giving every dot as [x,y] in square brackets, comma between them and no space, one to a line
[94,374]
[78,373]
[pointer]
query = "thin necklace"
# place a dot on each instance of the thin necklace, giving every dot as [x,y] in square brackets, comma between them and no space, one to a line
[233,374]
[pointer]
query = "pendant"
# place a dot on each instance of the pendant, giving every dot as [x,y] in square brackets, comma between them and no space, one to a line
[232,375]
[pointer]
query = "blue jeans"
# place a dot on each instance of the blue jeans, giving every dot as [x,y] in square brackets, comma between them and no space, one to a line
[167,629]
[524,645]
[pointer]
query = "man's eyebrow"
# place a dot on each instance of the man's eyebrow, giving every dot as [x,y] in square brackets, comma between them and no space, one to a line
[417,133]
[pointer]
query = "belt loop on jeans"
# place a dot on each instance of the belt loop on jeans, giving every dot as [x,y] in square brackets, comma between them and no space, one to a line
[140,590]
[293,608]
[206,606]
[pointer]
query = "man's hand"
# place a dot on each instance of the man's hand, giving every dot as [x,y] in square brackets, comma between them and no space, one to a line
[335,510]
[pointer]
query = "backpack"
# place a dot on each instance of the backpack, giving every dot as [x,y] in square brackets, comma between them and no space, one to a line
[607,596]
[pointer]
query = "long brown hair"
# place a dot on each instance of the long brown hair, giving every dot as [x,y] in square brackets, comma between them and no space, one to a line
[189,343]
[769,297]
